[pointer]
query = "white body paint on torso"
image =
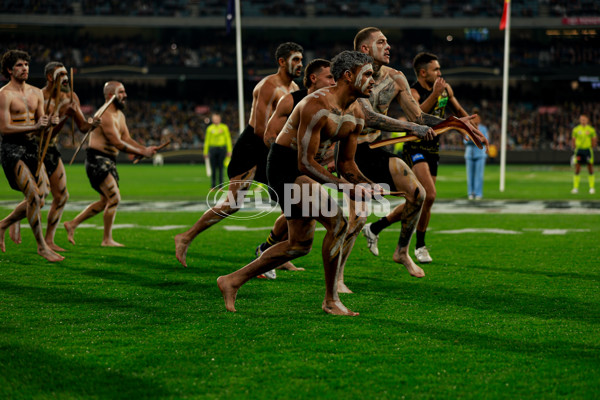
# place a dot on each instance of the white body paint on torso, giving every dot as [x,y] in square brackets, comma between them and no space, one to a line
[335,118]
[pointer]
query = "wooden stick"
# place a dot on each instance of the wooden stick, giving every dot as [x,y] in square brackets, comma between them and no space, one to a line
[98,114]
[138,158]
[47,133]
[449,124]
[73,118]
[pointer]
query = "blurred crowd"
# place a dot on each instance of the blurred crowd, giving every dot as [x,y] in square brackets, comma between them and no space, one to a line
[529,127]
[302,8]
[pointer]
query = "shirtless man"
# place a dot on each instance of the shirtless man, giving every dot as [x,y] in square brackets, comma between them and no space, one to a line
[317,75]
[382,166]
[22,114]
[57,89]
[110,137]
[326,116]
[249,156]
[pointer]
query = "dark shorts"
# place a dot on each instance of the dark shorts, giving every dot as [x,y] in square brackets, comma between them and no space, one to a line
[98,165]
[15,149]
[414,156]
[249,151]
[584,157]
[282,169]
[375,164]
[51,160]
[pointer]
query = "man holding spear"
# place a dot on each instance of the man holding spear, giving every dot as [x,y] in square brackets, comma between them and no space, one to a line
[110,137]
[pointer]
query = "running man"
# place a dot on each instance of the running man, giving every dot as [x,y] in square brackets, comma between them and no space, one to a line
[110,137]
[57,89]
[583,141]
[392,84]
[22,115]
[326,116]
[317,75]
[249,156]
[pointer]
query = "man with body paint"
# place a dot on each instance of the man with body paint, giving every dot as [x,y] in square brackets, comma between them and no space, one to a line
[317,75]
[106,140]
[21,116]
[326,116]
[382,166]
[57,88]
[249,155]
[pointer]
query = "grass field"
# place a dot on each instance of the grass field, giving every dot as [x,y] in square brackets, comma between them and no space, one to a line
[510,307]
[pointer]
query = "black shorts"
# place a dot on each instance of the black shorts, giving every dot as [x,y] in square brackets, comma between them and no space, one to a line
[584,157]
[17,148]
[249,151]
[414,156]
[375,164]
[98,165]
[282,169]
[51,160]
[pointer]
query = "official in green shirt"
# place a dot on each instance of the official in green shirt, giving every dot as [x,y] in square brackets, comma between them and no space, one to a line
[584,140]
[217,148]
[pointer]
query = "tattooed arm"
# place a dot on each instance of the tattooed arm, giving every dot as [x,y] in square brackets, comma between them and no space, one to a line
[376,120]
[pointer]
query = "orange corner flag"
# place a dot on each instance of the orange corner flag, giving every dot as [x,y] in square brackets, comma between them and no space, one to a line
[505,14]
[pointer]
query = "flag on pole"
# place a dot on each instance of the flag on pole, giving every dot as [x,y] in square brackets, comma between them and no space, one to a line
[505,14]
[230,15]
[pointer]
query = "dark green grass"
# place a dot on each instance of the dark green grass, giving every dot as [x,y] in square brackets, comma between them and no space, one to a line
[497,316]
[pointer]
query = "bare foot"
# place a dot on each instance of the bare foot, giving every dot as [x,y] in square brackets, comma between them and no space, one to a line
[342,288]
[337,308]
[50,255]
[288,266]
[53,246]
[229,293]
[111,243]
[2,246]
[181,247]
[404,259]
[70,231]
[15,232]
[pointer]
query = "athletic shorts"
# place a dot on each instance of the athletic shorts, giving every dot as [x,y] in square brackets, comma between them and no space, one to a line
[98,165]
[584,157]
[249,151]
[17,148]
[375,164]
[282,168]
[411,158]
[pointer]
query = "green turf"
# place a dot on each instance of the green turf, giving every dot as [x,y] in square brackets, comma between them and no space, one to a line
[497,316]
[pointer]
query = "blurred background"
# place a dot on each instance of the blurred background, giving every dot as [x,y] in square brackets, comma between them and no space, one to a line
[177,59]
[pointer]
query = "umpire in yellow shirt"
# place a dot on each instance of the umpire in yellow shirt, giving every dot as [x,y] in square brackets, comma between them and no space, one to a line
[584,140]
[217,147]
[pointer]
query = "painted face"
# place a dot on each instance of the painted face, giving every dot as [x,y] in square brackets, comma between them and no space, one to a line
[432,72]
[294,64]
[379,48]
[20,71]
[323,78]
[364,81]
[60,74]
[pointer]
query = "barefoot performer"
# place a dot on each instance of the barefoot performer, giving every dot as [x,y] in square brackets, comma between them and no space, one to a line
[329,115]
[21,115]
[249,155]
[59,99]
[110,137]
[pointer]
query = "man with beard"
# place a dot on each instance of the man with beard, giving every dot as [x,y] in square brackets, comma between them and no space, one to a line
[65,104]
[382,166]
[110,137]
[21,115]
[249,156]
[329,115]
